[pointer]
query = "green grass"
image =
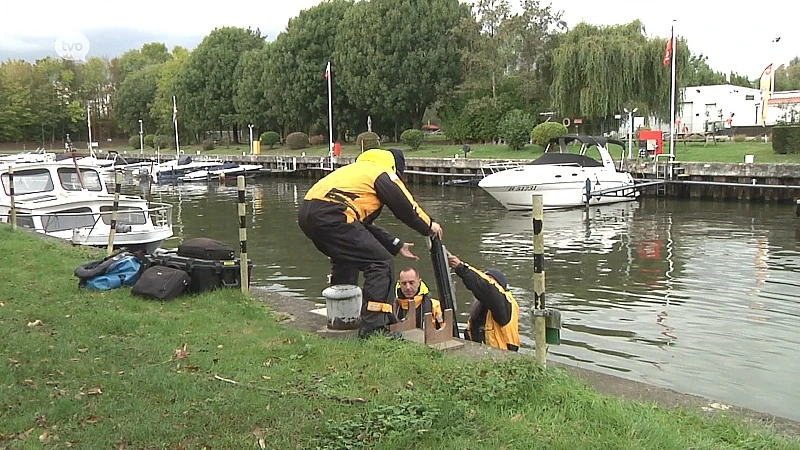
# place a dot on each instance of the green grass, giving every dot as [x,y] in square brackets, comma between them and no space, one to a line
[107,370]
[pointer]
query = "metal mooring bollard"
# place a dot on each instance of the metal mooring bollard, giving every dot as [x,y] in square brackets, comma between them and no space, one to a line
[343,305]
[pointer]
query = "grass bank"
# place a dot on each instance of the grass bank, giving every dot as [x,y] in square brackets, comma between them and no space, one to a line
[107,370]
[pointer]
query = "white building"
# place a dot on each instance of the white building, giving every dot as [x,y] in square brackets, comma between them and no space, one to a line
[705,107]
[784,106]
[714,104]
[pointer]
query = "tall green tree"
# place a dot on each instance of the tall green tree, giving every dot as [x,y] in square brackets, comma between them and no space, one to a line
[598,71]
[161,109]
[787,77]
[296,90]
[135,98]
[397,57]
[206,87]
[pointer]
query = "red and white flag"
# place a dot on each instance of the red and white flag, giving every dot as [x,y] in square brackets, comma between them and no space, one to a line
[668,51]
[328,70]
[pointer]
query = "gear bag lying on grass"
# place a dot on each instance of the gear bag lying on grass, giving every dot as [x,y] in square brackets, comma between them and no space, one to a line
[161,283]
[122,269]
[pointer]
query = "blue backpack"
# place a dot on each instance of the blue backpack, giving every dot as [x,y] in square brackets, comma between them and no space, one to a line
[122,269]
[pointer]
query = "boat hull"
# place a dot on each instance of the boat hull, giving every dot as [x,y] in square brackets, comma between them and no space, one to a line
[558,187]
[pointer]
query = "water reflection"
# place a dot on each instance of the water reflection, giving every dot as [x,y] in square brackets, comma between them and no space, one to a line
[697,296]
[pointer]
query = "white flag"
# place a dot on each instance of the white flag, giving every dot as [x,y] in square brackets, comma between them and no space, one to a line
[174,110]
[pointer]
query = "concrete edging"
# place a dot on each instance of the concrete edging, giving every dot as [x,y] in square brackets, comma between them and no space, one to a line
[298,315]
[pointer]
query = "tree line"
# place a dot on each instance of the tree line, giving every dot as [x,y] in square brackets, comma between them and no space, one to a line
[470,68]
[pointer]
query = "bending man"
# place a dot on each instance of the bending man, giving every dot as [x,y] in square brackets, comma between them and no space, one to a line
[337,214]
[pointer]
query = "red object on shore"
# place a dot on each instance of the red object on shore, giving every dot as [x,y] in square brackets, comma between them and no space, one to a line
[337,149]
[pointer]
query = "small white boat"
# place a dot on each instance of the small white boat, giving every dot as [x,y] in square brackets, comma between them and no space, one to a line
[223,171]
[564,179]
[57,199]
[171,171]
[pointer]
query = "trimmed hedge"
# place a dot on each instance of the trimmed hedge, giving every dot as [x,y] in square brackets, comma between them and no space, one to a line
[543,132]
[133,141]
[270,138]
[786,139]
[412,138]
[297,140]
[369,138]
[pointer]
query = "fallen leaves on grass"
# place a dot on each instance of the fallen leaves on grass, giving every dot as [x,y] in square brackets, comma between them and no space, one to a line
[97,390]
[181,353]
[258,432]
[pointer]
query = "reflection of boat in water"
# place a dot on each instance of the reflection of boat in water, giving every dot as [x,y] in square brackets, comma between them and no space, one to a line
[564,179]
[595,229]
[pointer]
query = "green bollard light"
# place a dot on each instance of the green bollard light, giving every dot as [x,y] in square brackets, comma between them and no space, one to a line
[553,326]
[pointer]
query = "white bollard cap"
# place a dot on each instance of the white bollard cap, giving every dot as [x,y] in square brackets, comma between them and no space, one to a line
[341,292]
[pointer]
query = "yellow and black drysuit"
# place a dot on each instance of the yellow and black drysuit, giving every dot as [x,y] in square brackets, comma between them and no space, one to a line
[494,317]
[337,214]
[423,302]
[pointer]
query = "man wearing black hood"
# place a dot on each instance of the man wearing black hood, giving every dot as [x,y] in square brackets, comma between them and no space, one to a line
[494,316]
[337,214]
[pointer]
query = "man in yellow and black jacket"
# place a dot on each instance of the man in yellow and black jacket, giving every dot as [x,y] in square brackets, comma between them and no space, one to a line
[494,316]
[337,214]
[411,288]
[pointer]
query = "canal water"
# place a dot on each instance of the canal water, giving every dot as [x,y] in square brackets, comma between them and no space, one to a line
[701,297]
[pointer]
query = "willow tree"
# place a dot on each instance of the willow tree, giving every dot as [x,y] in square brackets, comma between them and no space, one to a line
[598,71]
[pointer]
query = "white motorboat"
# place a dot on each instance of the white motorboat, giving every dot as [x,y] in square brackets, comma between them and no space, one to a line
[57,199]
[564,179]
[171,171]
[222,171]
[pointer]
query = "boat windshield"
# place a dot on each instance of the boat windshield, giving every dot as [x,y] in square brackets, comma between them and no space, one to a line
[125,214]
[68,219]
[29,182]
[70,181]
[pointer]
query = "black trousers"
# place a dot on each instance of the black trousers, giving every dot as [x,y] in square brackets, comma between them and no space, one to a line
[352,249]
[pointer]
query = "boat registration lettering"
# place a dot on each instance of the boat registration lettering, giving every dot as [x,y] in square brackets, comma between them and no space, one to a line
[521,188]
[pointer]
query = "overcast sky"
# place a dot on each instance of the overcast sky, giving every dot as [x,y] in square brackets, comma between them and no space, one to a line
[734,38]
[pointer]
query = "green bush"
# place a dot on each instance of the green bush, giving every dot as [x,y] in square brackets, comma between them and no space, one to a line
[543,132]
[133,141]
[369,139]
[412,138]
[786,139]
[163,141]
[475,122]
[740,138]
[270,138]
[208,144]
[297,140]
[150,140]
[317,139]
[515,128]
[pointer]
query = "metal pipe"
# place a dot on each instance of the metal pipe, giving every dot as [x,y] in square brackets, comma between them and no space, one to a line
[723,183]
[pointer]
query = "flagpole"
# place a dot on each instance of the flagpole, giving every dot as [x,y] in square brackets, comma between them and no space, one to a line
[672,98]
[330,116]
[175,122]
[89,124]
